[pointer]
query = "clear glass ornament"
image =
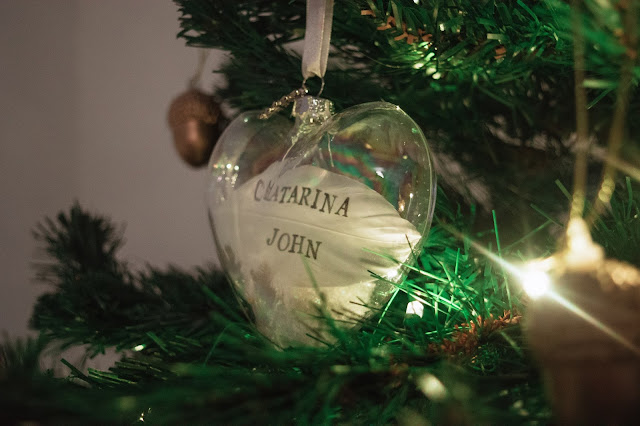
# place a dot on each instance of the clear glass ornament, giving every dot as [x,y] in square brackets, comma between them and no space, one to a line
[317,217]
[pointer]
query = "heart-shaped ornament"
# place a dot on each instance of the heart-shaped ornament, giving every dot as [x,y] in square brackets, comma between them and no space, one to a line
[319,214]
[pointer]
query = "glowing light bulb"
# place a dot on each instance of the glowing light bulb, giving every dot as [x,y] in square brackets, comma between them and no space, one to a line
[535,281]
[432,387]
[582,252]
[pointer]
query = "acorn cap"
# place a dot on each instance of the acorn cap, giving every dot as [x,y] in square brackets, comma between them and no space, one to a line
[193,105]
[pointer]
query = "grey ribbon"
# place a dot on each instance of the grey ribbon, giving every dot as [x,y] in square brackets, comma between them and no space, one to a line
[317,38]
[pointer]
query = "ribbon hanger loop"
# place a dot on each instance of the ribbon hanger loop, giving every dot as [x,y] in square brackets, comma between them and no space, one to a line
[317,40]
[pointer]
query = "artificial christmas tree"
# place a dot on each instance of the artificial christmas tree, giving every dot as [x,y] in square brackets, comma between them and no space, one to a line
[506,93]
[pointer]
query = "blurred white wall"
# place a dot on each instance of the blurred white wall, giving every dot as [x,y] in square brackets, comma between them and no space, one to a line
[84,90]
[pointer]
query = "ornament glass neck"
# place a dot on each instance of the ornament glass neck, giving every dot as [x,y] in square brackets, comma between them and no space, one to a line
[310,112]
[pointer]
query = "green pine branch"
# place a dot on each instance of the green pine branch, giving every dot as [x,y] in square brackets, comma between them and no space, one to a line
[98,301]
[197,360]
[490,83]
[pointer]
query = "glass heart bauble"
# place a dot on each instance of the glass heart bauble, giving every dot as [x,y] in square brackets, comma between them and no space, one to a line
[317,216]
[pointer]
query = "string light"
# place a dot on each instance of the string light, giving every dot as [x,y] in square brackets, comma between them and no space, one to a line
[432,387]
[535,281]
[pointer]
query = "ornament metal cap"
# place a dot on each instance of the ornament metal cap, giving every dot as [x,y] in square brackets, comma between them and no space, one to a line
[313,109]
